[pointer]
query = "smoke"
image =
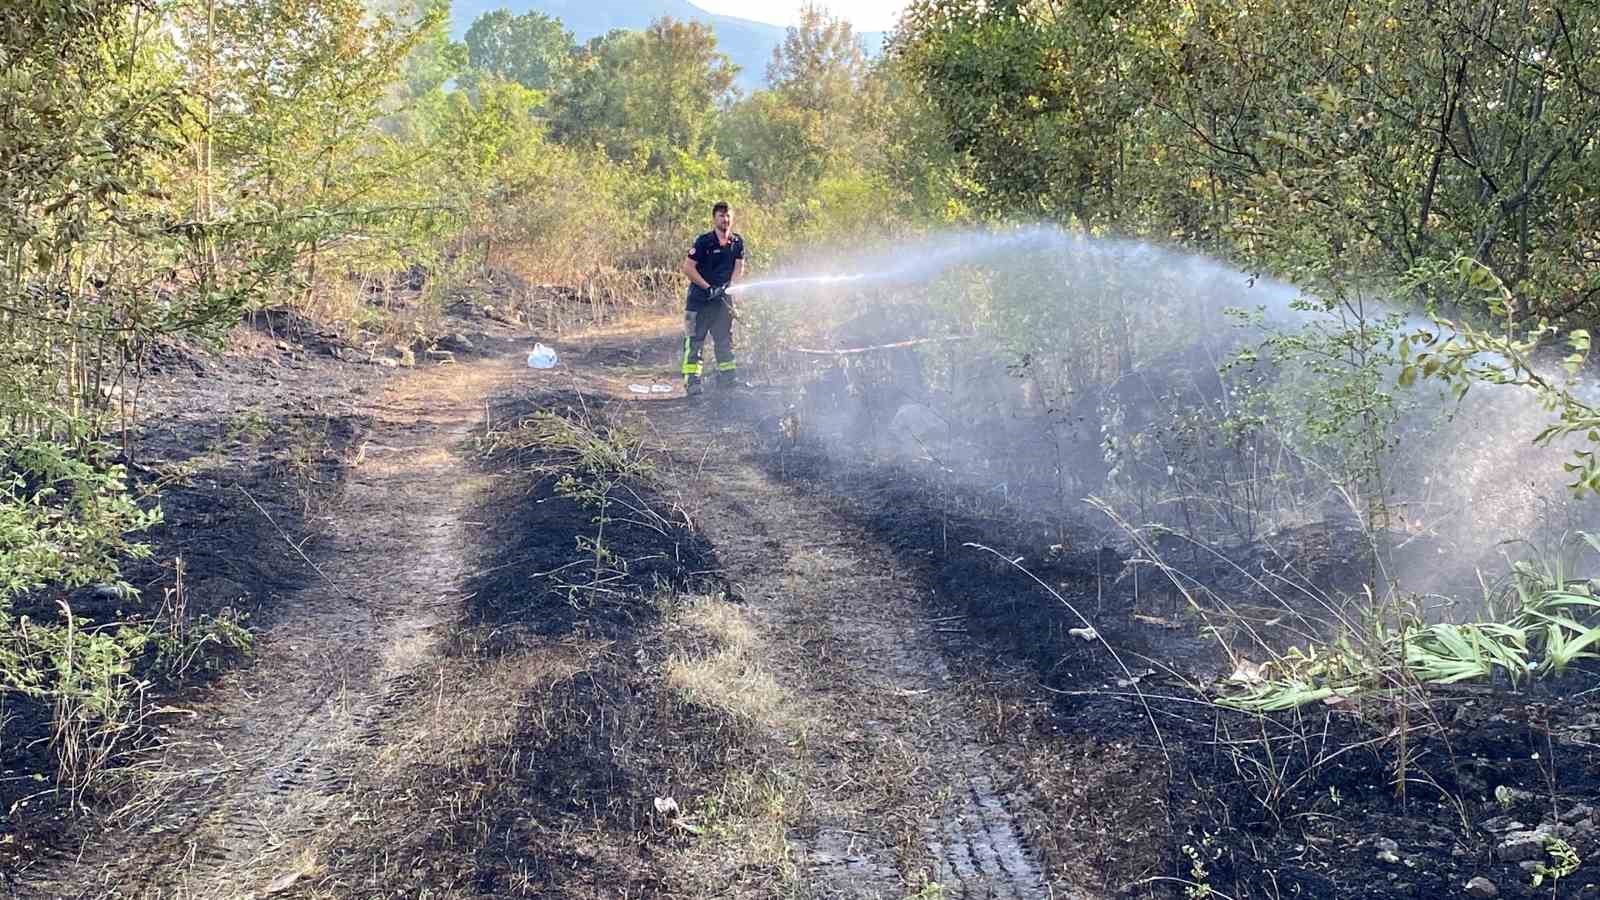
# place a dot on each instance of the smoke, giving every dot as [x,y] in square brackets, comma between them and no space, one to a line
[1056,366]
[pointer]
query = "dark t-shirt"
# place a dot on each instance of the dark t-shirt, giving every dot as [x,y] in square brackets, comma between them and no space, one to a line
[715,262]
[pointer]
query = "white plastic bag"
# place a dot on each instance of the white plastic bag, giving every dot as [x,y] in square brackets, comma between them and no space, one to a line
[541,357]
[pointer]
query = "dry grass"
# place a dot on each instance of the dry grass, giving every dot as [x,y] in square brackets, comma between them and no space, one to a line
[727,677]
[714,662]
[305,866]
[843,744]
[1096,808]
[745,825]
[475,703]
[373,310]
[559,300]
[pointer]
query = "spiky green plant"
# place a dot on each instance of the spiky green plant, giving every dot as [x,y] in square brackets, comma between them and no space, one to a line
[1542,620]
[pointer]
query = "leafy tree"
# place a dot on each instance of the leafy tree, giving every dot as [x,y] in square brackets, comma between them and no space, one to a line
[435,59]
[820,65]
[589,110]
[298,87]
[163,172]
[1034,96]
[1320,147]
[772,145]
[675,197]
[485,144]
[816,114]
[532,49]
[913,151]
[653,92]
[676,81]
[1431,132]
[89,114]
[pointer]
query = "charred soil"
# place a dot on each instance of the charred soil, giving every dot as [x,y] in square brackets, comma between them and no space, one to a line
[1134,771]
[772,665]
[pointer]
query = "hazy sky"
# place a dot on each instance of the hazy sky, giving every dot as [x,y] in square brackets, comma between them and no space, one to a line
[864,15]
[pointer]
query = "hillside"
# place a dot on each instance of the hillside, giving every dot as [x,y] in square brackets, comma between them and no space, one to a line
[748,43]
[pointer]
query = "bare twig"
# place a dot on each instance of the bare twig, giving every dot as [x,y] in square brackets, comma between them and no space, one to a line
[1188,885]
[1166,755]
[296,548]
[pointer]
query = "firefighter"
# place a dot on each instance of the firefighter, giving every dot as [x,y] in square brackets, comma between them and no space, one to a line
[714,264]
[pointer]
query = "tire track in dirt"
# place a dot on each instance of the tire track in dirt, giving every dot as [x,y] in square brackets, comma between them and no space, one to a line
[849,632]
[233,796]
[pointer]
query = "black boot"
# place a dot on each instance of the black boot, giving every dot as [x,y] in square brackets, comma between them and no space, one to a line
[692,386]
[727,380]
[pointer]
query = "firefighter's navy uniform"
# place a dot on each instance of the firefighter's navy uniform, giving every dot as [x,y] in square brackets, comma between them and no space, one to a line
[714,258]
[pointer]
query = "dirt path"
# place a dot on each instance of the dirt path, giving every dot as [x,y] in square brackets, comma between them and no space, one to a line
[900,787]
[875,700]
[884,780]
[230,798]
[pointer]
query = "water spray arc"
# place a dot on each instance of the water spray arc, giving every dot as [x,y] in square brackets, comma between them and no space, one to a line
[1107,325]
[921,260]
[779,284]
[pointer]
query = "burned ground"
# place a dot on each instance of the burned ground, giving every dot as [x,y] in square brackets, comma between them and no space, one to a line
[520,584]
[1290,804]
[536,775]
[244,448]
[809,676]
[252,451]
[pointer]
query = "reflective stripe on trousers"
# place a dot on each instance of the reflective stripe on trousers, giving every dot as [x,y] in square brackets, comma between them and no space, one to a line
[714,320]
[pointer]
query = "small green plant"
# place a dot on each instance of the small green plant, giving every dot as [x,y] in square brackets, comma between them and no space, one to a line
[1541,622]
[181,643]
[306,451]
[597,465]
[1460,353]
[247,426]
[65,521]
[1504,798]
[1199,858]
[1565,861]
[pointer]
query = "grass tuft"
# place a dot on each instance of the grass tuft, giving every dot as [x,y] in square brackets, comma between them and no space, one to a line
[728,676]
